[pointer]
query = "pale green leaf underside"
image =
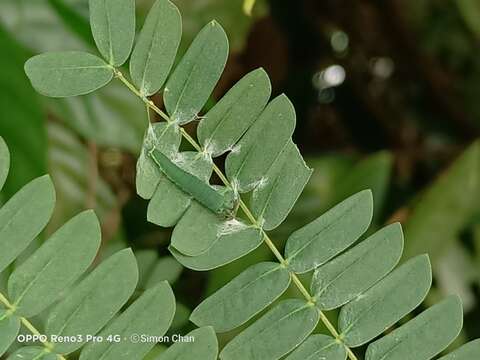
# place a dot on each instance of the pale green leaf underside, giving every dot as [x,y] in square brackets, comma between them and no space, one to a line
[279,190]
[275,334]
[423,337]
[193,80]
[319,347]
[205,347]
[243,297]
[386,302]
[199,229]
[164,137]
[69,73]
[468,351]
[4,162]
[24,216]
[347,276]
[9,327]
[261,145]
[113,28]
[150,315]
[231,117]
[169,201]
[60,261]
[33,353]
[156,47]
[331,233]
[92,303]
[226,249]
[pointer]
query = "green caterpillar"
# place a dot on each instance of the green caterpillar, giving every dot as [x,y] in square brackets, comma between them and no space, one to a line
[223,202]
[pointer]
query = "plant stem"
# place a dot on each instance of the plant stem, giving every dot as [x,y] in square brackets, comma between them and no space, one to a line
[295,279]
[49,346]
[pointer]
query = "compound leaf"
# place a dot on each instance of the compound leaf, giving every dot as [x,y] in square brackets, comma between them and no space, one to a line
[347,276]
[423,337]
[275,334]
[231,117]
[331,233]
[204,347]
[150,316]
[93,302]
[69,73]
[38,282]
[24,216]
[156,47]
[193,80]
[319,347]
[233,304]
[386,302]
[113,28]
[261,145]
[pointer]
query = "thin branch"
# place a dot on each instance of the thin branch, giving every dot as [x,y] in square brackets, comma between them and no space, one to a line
[295,279]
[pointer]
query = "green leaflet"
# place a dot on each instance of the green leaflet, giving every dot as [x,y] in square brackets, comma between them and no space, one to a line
[169,201]
[150,315]
[193,80]
[33,353]
[468,351]
[113,28]
[39,281]
[24,216]
[279,190]
[199,229]
[68,73]
[243,297]
[164,137]
[261,145]
[205,347]
[275,334]
[331,233]
[386,302]
[423,337]
[4,162]
[156,47]
[228,120]
[319,347]
[226,249]
[220,202]
[349,275]
[9,327]
[165,269]
[93,302]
